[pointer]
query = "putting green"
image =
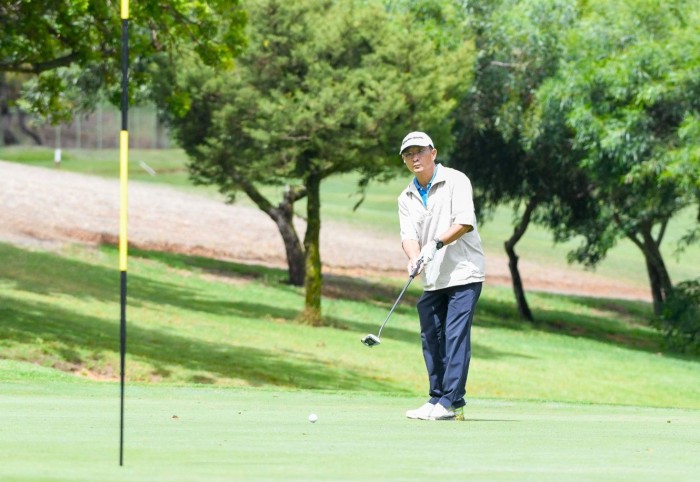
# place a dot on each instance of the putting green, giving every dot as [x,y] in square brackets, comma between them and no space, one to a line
[67,430]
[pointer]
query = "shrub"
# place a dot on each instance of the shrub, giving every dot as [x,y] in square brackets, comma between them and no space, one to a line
[680,318]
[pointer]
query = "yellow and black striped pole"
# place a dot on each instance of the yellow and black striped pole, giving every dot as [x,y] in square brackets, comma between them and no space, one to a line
[123,205]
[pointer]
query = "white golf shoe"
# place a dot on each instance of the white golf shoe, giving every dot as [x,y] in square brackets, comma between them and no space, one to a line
[441,413]
[422,412]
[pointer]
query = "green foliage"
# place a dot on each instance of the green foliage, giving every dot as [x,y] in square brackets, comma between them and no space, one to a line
[680,318]
[72,48]
[621,105]
[445,21]
[324,86]
[629,91]
[519,47]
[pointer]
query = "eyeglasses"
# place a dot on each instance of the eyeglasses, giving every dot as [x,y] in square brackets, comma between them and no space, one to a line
[417,152]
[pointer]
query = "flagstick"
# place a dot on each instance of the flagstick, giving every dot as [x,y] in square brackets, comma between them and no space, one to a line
[123,244]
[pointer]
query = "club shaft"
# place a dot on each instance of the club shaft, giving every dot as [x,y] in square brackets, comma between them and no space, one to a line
[394,307]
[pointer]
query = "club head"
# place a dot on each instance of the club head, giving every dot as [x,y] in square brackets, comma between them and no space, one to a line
[371,340]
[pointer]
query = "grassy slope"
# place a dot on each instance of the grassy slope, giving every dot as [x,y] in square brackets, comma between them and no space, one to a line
[194,320]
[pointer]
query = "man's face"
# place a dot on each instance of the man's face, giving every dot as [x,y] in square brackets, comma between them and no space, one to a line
[419,159]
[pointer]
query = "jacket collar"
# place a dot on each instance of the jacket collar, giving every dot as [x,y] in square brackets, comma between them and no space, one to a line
[438,177]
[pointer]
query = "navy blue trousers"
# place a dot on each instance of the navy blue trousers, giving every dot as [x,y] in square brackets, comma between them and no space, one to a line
[445,330]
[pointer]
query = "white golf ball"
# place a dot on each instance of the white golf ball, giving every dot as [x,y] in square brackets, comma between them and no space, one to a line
[313,418]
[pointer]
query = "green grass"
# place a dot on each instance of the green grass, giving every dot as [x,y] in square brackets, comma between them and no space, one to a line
[200,433]
[197,320]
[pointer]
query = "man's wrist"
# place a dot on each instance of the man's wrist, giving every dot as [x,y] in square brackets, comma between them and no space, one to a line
[438,244]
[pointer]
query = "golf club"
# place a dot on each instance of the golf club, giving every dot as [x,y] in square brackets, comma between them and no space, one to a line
[371,340]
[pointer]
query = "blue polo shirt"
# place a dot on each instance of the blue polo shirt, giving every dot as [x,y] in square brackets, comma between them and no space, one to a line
[424,192]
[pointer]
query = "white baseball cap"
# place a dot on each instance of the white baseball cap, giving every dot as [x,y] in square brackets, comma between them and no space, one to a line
[416,139]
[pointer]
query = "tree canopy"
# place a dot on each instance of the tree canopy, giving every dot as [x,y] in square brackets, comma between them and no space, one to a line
[70,49]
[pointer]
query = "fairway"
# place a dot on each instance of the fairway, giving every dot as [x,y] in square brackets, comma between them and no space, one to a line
[66,429]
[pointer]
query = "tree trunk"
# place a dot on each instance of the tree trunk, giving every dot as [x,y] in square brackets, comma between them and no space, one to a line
[518,232]
[294,253]
[7,138]
[659,279]
[23,126]
[3,108]
[283,216]
[655,285]
[312,241]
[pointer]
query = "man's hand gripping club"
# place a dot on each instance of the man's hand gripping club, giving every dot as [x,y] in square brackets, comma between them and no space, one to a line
[426,255]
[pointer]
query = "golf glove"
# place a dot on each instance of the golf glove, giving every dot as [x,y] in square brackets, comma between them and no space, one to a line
[428,251]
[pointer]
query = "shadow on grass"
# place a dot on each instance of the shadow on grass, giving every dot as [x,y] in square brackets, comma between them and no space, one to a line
[334,286]
[225,269]
[68,333]
[48,274]
[618,323]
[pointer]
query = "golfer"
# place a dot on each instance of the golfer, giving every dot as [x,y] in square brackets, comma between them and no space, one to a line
[438,226]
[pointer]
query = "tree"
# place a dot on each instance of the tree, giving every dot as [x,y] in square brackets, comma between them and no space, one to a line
[519,48]
[324,88]
[629,93]
[71,48]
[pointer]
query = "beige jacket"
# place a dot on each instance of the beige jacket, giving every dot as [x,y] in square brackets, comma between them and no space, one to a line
[450,201]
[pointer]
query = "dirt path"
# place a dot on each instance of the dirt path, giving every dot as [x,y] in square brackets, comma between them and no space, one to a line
[46,207]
